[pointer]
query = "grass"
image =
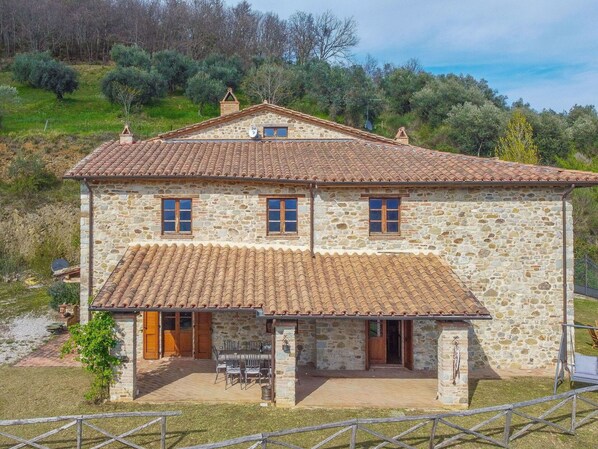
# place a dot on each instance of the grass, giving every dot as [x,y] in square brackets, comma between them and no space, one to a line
[86,111]
[586,313]
[58,391]
[16,299]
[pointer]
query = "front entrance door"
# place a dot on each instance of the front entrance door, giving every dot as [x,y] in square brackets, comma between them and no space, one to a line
[390,342]
[177,334]
[203,335]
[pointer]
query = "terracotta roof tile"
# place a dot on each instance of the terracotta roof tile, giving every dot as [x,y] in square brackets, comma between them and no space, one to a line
[322,161]
[286,282]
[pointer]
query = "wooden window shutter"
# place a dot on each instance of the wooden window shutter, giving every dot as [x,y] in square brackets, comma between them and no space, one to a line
[151,335]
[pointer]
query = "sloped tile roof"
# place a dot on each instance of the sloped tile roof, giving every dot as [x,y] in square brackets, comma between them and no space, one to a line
[321,161]
[286,282]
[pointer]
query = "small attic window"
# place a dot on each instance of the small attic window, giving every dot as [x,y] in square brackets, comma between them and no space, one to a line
[273,132]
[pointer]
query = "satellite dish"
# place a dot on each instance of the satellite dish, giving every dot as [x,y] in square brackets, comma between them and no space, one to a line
[368,125]
[252,131]
[59,264]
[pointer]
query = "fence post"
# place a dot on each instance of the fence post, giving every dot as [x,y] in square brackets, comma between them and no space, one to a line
[79,433]
[163,432]
[586,273]
[353,436]
[433,433]
[507,433]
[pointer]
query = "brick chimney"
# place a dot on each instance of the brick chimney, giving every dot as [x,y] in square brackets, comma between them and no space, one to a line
[229,103]
[402,136]
[126,136]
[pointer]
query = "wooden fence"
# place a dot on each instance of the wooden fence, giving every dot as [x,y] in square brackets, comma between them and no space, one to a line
[80,422]
[508,423]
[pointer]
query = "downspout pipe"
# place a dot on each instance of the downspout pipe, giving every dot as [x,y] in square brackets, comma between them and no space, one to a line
[311,219]
[564,199]
[90,243]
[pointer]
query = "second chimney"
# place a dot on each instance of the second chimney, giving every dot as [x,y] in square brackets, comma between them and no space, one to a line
[402,136]
[126,136]
[229,103]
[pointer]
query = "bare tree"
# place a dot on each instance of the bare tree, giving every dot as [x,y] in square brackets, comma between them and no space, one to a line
[126,96]
[302,36]
[334,37]
[270,82]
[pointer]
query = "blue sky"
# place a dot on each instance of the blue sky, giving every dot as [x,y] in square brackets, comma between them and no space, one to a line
[545,51]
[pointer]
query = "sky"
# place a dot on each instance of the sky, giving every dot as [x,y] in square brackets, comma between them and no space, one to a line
[544,51]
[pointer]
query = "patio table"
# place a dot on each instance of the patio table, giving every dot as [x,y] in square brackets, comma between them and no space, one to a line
[242,354]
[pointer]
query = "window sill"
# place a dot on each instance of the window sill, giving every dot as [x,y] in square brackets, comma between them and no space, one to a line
[283,237]
[385,236]
[176,236]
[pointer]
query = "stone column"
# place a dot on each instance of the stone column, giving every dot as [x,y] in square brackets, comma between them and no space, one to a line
[284,363]
[124,387]
[84,256]
[453,362]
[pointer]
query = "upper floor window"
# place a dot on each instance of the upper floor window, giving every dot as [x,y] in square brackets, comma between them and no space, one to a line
[384,215]
[282,215]
[276,131]
[176,216]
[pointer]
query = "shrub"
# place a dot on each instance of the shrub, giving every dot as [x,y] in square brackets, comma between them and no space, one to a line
[202,89]
[41,71]
[226,70]
[174,67]
[130,56]
[63,293]
[29,174]
[148,85]
[8,95]
[93,342]
[24,63]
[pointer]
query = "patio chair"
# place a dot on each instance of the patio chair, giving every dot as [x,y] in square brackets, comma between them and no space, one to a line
[220,364]
[253,367]
[266,368]
[594,338]
[252,345]
[231,345]
[233,368]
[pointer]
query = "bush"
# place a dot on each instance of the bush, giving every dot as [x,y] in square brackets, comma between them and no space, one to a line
[130,56]
[63,293]
[93,342]
[221,68]
[174,67]
[202,89]
[149,85]
[24,63]
[55,77]
[8,95]
[29,174]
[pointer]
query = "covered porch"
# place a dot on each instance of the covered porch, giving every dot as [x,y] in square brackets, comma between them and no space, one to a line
[320,314]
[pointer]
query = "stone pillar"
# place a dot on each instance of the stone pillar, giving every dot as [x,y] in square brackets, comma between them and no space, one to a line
[284,363]
[124,387]
[453,361]
[84,256]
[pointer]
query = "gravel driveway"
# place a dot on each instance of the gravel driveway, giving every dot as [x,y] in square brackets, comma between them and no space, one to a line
[22,335]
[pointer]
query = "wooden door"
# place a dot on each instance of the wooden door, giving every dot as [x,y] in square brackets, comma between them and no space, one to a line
[376,341]
[151,335]
[170,338]
[203,335]
[185,336]
[408,344]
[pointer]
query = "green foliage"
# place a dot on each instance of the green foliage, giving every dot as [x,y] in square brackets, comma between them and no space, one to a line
[475,129]
[24,63]
[149,85]
[28,174]
[63,293]
[93,342]
[130,56]
[400,85]
[174,67]
[517,145]
[39,70]
[8,96]
[201,90]
[228,70]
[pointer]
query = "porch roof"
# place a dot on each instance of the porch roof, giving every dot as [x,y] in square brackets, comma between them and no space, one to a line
[284,282]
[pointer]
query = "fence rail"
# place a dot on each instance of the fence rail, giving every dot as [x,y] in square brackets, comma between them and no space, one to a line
[586,277]
[431,430]
[80,422]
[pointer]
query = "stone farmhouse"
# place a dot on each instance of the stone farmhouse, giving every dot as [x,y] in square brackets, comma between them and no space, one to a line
[342,249]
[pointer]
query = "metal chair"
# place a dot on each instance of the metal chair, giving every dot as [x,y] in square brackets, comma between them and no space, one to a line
[253,367]
[231,345]
[252,345]
[220,364]
[266,368]
[233,368]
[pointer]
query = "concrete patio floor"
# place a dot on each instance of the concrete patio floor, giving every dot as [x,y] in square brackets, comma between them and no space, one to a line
[180,379]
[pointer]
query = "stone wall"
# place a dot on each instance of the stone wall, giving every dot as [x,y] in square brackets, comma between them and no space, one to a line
[124,387]
[238,129]
[504,243]
[340,344]
[453,371]
[238,326]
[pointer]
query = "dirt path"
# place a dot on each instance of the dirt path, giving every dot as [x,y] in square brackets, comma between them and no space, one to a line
[22,335]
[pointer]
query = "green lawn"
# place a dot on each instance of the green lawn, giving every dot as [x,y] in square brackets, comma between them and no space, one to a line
[17,300]
[86,111]
[586,313]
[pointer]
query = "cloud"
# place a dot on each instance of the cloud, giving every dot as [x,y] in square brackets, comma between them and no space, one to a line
[499,37]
